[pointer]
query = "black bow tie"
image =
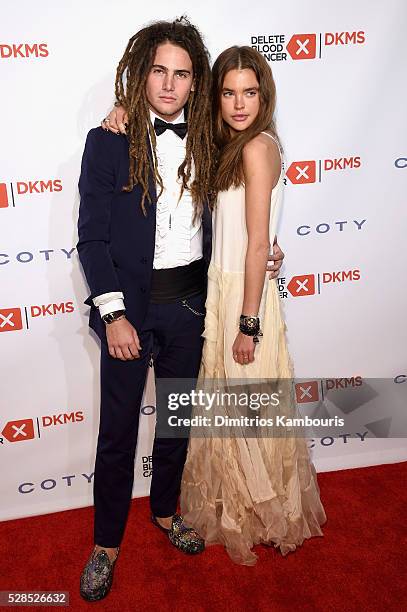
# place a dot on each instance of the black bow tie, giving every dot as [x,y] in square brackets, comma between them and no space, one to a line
[179,128]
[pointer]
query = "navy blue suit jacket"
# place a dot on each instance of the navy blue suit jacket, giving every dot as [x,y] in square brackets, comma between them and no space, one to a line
[116,240]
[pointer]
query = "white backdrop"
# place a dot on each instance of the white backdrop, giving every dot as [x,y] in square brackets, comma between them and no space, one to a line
[341,116]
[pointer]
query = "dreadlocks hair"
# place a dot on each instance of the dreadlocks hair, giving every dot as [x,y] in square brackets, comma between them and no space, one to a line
[135,65]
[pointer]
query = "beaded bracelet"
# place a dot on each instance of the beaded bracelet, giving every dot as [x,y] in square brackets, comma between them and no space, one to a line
[250,326]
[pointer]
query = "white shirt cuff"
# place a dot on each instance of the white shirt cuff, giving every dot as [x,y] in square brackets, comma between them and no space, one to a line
[109,302]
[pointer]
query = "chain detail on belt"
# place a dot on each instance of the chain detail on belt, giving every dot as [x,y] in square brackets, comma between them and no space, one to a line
[186,305]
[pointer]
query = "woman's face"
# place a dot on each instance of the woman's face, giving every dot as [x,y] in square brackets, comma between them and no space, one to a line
[239,99]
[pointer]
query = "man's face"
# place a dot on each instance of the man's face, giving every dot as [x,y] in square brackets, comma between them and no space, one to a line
[170,81]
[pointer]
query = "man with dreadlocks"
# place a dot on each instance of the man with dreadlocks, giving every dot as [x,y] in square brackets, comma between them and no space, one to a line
[144,237]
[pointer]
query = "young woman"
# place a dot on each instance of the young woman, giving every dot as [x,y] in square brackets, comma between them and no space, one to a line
[241,490]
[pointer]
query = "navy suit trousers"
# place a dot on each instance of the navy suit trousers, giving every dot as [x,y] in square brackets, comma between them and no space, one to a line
[172,334]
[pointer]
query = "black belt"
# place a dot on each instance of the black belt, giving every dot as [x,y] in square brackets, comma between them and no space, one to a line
[173,284]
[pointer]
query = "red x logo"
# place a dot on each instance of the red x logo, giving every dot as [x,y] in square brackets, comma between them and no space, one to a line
[301,172]
[18,431]
[302,46]
[302,285]
[3,195]
[307,392]
[10,319]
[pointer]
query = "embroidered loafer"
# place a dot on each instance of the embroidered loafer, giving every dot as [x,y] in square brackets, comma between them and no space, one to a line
[182,537]
[97,576]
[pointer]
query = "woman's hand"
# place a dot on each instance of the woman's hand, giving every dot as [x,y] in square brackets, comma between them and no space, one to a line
[116,121]
[243,349]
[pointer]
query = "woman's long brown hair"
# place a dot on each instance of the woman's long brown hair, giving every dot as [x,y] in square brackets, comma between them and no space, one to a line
[229,145]
[135,65]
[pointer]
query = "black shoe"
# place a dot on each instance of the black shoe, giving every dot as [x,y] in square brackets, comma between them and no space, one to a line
[184,538]
[97,576]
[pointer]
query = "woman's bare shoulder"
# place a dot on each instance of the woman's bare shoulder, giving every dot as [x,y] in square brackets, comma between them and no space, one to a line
[261,149]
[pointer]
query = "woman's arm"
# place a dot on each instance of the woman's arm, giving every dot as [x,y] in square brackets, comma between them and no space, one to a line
[261,167]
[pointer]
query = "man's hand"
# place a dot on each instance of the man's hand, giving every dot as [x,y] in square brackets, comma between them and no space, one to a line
[277,259]
[123,340]
[116,121]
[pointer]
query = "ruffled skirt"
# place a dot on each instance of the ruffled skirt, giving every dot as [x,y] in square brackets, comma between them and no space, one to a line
[241,491]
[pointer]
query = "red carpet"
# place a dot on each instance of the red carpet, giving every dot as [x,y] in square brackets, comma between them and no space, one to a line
[359,564]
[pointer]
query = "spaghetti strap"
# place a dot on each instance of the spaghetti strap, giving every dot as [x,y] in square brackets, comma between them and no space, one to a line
[279,148]
[271,136]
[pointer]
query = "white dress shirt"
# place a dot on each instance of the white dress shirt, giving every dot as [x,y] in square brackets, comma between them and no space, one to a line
[178,242]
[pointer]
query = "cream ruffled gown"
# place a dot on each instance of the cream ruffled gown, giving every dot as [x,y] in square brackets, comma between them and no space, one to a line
[242,491]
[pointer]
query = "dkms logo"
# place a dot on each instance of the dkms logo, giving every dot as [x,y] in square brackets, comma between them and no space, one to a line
[279,47]
[314,390]
[25,50]
[12,193]
[303,285]
[312,171]
[24,429]
[11,319]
